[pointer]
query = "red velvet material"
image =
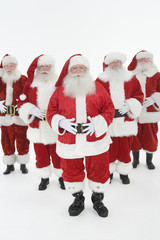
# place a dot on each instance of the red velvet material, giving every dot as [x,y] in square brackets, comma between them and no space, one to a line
[146,138]
[120,149]
[97,168]
[14,134]
[45,154]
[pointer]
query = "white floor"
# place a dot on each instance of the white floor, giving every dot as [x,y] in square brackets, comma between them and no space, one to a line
[29,214]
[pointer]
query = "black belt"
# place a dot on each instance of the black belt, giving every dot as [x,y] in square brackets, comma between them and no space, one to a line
[79,128]
[11,110]
[43,119]
[118,114]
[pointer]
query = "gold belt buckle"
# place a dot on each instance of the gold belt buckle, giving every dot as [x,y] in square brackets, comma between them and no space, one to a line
[44,118]
[11,110]
[79,128]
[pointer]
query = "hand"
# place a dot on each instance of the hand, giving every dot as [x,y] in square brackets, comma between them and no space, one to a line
[68,125]
[148,102]
[37,112]
[2,107]
[124,109]
[90,127]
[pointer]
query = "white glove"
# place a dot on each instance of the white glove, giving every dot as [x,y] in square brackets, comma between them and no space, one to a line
[148,102]
[37,112]
[90,127]
[124,109]
[68,125]
[2,107]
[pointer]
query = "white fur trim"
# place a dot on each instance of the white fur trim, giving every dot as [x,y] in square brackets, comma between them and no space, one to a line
[112,167]
[144,55]
[149,117]
[9,59]
[113,56]
[42,134]
[100,125]
[135,108]
[78,60]
[74,187]
[57,172]
[117,93]
[8,120]
[23,159]
[24,112]
[55,123]
[124,168]
[156,98]
[44,172]
[46,60]
[9,159]
[120,128]
[70,151]
[22,97]
[98,187]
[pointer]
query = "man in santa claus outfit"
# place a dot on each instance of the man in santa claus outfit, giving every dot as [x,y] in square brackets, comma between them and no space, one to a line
[32,106]
[13,129]
[127,97]
[147,74]
[80,111]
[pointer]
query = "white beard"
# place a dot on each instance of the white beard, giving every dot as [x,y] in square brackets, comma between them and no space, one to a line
[10,78]
[40,78]
[75,86]
[120,74]
[148,69]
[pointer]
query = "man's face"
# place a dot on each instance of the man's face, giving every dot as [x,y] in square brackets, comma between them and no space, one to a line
[44,69]
[10,67]
[78,70]
[143,61]
[115,64]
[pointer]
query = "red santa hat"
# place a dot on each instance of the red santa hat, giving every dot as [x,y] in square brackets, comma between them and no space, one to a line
[38,61]
[72,61]
[142,54]
[113,56]
[8,59]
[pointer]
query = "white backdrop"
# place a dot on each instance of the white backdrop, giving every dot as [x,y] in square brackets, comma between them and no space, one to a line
[94,28]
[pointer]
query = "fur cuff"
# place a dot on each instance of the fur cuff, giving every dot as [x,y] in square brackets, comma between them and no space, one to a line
[24,112]
[57,172]
[9,159]
[98,187]
[55,123]
[23,159]
[112,167]
[44,172]
[156,98]
[124,168]
[135,108]
[100,125]
[74,187]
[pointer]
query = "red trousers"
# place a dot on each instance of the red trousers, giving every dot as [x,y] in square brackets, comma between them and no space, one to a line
[146,138]
[97,168]
[44,155]
[120,149]
[12,134]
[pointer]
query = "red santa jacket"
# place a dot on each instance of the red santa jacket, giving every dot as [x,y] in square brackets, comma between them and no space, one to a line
[128,91]
[98,106]
[150,84]
[37,94]
[10,92]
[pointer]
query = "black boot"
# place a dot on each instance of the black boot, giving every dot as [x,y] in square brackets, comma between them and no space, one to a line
[111,177]
[43,184]
[61,182]
[98,205]
[23,168]
[135,158]
[78,204]
[149,163]
[9,169]
[125,179]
